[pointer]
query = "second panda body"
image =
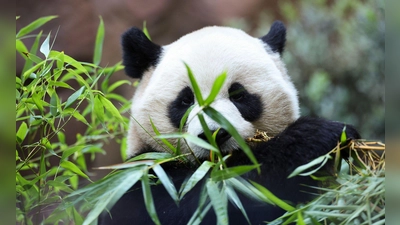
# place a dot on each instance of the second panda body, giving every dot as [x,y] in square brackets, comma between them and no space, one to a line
[257,94]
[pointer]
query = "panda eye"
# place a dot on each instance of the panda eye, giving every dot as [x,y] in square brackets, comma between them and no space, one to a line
[236,96]
[237,92]
[187,101]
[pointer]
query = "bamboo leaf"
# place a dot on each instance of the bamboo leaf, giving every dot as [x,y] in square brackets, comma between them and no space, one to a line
[98,108]
[148,199]
[70,151]
[343,136]
[199,142]
[111,189]
[53,104]
[320,160]
[38,102]
[166,182]
[195,86]
[98,47]
[22,132]
[45,47]
[71,99]
[273,198]
[227,173]
[164,140]
[68,59]
[117,84]
[73,168]
[145,31]
[219,81]
[195,178]
[219,201]
[110,107]
[236,200]
[34,25]
[152,155]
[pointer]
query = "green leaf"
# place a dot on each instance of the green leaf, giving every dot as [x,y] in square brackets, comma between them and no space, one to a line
[98,108]
[117,84]
[53,104]
[38,102]
[199,142]
[33,51]
[70,151]
[195,178]
[227,173]
[207,132]
[166,182]
[189,138]
[30,71]
[45,47]
[273,198]
[110,107]
[106,192]
[164,140]
[59,84]
[195,86]
[219,81]
[148,199]
[79,117]
[343,136]
[60,63]
[34,25]
[68,59]
[152,155]
[320,160]
[234,198]
[22,132]
[71,99]
[219,201]
[145,31]
[98,47]
[20,47]
[73,168]
[300,220]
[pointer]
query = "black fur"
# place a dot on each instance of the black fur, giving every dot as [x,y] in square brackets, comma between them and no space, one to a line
[249,105]
[276,37]
[180,105]
[302,141]
[139,53]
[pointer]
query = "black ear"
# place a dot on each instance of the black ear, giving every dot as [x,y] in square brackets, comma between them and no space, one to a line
[139,53]
[276,37]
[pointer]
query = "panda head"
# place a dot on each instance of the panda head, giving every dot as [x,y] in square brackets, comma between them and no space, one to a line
[257,93]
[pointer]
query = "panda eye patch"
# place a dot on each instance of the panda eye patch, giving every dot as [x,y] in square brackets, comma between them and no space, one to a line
[249,105]
[178,107]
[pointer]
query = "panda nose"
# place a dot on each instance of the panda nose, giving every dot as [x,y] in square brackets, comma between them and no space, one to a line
[222,136]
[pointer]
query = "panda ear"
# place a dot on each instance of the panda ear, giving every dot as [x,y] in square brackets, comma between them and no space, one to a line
[276,37]
[139,53]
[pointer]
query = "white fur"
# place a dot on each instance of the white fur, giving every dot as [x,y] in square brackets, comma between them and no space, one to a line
[209,52]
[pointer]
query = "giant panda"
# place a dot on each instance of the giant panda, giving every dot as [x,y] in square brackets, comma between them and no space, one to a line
[257,94]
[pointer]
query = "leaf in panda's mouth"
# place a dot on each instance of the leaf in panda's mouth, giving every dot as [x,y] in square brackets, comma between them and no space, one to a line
[259,136]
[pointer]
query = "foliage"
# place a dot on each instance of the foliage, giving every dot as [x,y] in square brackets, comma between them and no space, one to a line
[335,55]
[53,90]
[357,191]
